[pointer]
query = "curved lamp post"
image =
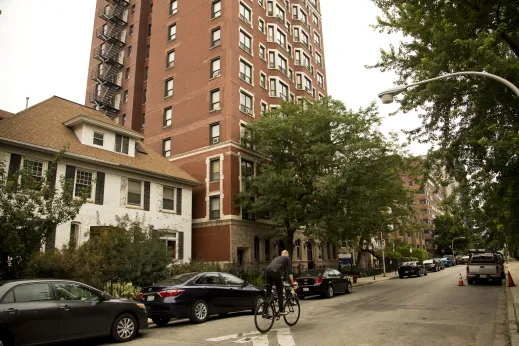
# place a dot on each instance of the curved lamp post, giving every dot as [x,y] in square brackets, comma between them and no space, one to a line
[388,95]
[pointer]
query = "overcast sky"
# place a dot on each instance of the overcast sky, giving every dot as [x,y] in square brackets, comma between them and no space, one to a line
[45,44]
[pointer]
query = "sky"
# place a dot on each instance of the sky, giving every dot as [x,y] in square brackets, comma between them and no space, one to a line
[45,51]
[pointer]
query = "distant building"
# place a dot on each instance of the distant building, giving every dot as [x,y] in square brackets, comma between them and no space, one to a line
[124,176]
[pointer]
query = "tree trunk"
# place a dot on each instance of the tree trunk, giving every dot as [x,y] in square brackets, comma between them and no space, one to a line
[290,231]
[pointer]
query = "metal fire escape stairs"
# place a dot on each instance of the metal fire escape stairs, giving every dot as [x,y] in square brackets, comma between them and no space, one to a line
[110,53]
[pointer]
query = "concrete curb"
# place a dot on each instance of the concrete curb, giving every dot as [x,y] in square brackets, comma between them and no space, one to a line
[511,318]
[373,282]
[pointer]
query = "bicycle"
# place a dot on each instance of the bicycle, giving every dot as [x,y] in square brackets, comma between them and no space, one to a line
[266,310]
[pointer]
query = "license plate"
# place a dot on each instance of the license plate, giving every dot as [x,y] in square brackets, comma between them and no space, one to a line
[483,276]
[306,289]
[150,298]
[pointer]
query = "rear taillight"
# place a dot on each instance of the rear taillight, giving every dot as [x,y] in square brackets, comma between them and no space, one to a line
[170,293]
[318,280]
[433,265]
[140,296]
[414,265]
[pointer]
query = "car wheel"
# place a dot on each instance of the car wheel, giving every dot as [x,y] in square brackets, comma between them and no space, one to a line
[124,328]
[161,321]
[349,287]
[329,291]
[199,312]
[425,273]
[401,276]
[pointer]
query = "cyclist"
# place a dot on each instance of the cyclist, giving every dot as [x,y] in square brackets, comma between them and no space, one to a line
[280,267]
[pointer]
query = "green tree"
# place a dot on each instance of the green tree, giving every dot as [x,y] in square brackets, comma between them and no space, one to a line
[30,209]
[474,121]
[326,169]
[447,227]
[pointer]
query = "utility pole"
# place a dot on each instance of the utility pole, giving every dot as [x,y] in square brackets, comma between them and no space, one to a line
[383,255]
[27,102]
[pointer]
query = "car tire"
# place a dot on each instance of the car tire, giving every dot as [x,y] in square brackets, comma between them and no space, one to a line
[425,274]
[199,312]
[124,328]
[329,292]
[161,321]
[349,287]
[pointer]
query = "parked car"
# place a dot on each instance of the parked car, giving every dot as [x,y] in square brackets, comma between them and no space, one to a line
[484,267]
[440,263]
[452,259]
[323,281]
[465,259]
[48,311]
[412,268]
[199,295]
[432,265]
[447,262]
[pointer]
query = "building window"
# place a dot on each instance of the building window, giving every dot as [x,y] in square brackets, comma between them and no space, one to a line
[168,87]
[263,80]
[215,67]
[299,82]
[129,51]
[122,143]
[214,207]
[123,119]
[272,60]
[168,198]
[215,134]
[318,59]
[247,171]
[308,84]
[270,35]
[173,7]
[130,30]
[273,88]
[304,38]
[245,14]
[172,32]
[143,120]
[74,236]
[149,30]
[168,116]
[316,20]
[317,39]
[298,249]
[282,65]
[283,93]
[270,8]
[256,249]
[33,168]
[245,136]
[166,147]
[145,73]
[281,38]
[215,99]
[170,59]
[144,95]
[216,9]
[267,250]
[148,51]
[245,103]
[83,184]
[261,25]
[133,10]
[215,37]
[245,42]
[99,138]
[320,80]
[245,72]
[214,170]
[134,192]
[262,52]
[263,108]
[127,73]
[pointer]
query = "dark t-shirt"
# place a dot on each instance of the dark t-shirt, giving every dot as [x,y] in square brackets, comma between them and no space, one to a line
[282,264]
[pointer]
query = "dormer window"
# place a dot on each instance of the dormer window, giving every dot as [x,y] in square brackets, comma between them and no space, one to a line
[121,144]
[99,138]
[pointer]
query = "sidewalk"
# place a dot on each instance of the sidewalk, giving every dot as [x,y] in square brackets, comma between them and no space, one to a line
[378,278]
[512,294]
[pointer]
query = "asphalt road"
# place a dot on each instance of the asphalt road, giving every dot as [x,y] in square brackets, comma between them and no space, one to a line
[430,310]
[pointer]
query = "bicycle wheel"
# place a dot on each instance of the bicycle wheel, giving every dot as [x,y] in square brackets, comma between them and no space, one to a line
[264,316]
[293,309]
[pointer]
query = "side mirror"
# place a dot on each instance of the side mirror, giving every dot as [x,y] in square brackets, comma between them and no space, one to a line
[244,284]
[104,297]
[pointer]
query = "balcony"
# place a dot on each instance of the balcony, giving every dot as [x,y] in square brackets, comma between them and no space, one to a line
[124,3]
[109,56]
[103,78]
[108,105]
[111,36]
[114,15]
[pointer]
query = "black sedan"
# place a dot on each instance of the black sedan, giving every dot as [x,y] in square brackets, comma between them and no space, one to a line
[46,311]
[432,265]
[412,268]
[324,281]
[199,295]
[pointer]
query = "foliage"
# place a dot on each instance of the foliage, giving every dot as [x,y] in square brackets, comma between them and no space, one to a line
[473,121]
[320,161]
[30,210]
[447,228]
[122,290]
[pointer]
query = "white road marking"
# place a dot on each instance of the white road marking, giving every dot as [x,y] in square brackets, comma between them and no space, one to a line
[284,338]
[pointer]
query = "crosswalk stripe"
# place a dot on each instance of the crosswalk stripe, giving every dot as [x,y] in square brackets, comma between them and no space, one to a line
[262,340]
[285,338]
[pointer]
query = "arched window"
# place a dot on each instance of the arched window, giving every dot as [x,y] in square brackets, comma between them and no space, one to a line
[256,249]
[298,249]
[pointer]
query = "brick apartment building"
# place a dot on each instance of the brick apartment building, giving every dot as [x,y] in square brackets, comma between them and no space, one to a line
[189,74]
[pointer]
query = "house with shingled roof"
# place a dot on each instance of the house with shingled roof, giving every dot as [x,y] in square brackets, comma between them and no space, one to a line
[124,175]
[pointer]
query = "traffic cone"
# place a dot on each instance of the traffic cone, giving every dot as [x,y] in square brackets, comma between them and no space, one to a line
[510,280]
[460,282]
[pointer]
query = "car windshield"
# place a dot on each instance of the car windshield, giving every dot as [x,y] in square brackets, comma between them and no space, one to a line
[313,272]
[177,280]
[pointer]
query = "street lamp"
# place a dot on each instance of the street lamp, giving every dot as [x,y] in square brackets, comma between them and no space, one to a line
[506,239]
[453,257]
[388,95]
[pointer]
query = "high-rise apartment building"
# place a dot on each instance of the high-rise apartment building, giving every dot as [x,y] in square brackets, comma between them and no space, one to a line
[190,74]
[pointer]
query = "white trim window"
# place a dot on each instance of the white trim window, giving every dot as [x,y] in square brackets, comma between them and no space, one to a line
[246,42]
[246,14]
[168,198]
[245,71]
[83,183]
[135,192]
[98,138]
[246,102]
[34,168]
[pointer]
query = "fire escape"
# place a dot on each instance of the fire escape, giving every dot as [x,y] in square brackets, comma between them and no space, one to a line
[110,53]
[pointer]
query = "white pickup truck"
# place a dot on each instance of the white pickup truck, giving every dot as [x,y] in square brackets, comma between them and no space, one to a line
[484,267]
